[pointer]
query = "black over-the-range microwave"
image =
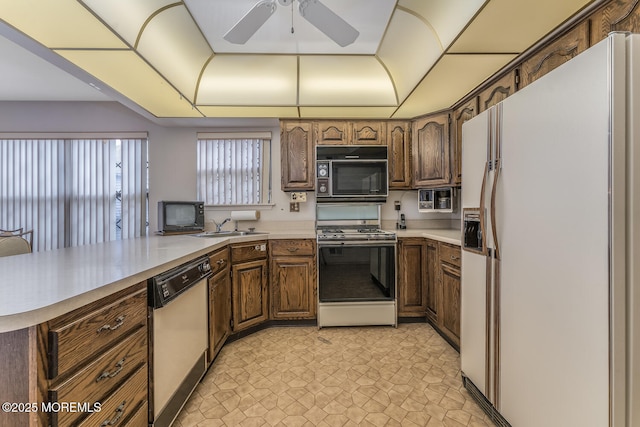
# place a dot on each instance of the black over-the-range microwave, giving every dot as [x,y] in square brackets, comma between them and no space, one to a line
[351,173]
[180,216]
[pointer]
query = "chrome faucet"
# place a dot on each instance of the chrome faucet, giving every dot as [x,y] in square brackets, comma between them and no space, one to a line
[219,226]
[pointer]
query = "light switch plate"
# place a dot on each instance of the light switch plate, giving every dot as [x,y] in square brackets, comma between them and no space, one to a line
[298,197]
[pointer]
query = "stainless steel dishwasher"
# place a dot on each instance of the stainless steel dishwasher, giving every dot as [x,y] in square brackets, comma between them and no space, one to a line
[178,299]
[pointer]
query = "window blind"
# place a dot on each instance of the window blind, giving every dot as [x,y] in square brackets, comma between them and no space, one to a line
[67,190]
[233,171]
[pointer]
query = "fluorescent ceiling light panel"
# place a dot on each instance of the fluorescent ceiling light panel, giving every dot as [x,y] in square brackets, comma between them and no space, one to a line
[126,17]
[231,111]
[446,17]
[347,112]
[249,80]
[344,81]
[451,79]
[175,47]
[127,73]
[409,49]
[514,25]
[59,24]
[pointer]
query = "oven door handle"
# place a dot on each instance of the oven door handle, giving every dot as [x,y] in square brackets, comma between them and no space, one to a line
[323,244]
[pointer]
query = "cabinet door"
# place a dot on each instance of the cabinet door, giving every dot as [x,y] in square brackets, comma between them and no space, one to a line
[555,54]
[432,283]
[297,156]
[449,320]
[334,132]
[219,311]
[430,145]
[412,297]
[617,15]
[249,294]
[498,91]
[369,133]
[293,285]
[398,140]
[465,112]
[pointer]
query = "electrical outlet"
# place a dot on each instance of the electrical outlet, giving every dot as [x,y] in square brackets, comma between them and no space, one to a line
[294,207]
[299,197]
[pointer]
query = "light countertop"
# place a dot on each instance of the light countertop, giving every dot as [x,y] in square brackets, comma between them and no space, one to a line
[35,288]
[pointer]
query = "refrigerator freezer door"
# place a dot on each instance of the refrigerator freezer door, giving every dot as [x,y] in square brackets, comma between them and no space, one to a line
[552,216]
[474,331]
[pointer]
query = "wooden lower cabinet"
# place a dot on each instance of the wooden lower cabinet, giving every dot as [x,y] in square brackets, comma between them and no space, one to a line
[93,357]
[449,293]
[293,279]
[412,292]
[219,303]
[249,284]
[432,283]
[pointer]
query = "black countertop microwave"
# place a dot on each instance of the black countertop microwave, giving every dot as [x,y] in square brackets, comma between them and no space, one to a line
[351,173]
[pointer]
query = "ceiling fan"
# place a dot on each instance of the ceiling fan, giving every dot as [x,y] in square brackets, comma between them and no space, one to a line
[319,15]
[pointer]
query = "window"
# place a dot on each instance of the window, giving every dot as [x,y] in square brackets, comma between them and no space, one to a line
[234,169]
[73,192]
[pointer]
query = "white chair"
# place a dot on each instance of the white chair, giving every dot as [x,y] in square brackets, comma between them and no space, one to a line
[10,232]
[16,244]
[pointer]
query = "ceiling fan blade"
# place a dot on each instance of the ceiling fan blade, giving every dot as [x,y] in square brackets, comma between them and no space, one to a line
[251,22]
[324,19]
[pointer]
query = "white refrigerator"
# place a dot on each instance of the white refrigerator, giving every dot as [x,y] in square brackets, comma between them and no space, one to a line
[550,260]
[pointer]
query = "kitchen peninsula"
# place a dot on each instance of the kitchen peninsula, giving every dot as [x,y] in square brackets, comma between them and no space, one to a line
[45,292]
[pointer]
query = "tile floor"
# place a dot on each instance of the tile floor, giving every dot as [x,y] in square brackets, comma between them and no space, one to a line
[367,376]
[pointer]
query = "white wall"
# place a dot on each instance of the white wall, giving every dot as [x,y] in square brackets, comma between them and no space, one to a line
[172,159]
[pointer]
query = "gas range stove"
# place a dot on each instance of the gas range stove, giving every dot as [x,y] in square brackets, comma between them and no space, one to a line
[329,234]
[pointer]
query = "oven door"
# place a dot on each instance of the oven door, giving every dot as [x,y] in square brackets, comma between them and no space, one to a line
[356,272]
[365,179]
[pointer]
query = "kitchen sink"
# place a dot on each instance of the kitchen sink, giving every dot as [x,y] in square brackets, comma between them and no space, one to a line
[229,233]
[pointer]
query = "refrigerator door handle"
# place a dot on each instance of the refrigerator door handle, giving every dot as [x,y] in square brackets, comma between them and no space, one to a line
[483,210]
[494,232]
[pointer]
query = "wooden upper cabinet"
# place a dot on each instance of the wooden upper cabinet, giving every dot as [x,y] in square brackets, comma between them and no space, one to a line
[555,54]
[331,132]
[398,143]
[369,133]
[465,112]
[617,15]
[431,154]
[297,156]
[498,91]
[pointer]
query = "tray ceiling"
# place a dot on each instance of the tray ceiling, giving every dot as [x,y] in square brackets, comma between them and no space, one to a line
[411,57]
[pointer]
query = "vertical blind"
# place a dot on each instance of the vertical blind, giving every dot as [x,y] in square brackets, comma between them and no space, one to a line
[67,190]
[233,171]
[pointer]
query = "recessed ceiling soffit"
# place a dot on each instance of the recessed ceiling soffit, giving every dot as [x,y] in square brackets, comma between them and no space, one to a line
[172,59]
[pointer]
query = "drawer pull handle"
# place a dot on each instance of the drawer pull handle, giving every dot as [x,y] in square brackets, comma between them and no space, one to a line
[107,374]
[107,327]
[455,258]
[293,249]
[119,412]
[220,262]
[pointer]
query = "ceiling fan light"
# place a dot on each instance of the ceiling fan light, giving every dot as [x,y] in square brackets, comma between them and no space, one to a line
[247,26]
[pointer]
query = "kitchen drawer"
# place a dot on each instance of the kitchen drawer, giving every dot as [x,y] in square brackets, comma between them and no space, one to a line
[140,418]
[249,251]
[73,342]
[292,247]
[450,254]
[122,404]
[98,379]
[219,260]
